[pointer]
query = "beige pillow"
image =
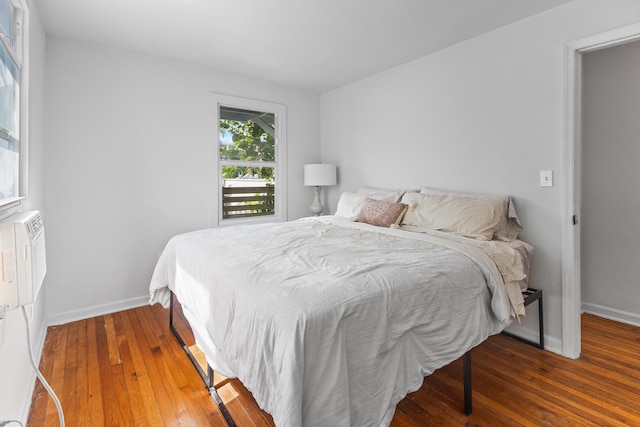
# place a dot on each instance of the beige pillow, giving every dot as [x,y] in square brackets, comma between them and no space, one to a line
[381,213]
[468,217]
[509,227]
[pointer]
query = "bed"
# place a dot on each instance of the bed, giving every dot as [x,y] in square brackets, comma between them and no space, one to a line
[332,320]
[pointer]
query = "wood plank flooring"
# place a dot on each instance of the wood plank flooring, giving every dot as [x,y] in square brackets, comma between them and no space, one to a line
[127,369]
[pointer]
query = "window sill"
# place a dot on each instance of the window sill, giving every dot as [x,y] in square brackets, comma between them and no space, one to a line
[9,206]
[250,220]
[10,202]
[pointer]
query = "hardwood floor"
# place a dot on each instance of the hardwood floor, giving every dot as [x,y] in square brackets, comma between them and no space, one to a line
[127,369]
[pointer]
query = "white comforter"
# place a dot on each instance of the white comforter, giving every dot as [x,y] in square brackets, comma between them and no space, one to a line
[332,323]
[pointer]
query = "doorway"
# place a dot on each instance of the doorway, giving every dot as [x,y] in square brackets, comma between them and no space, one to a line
[610,260]
[571,262]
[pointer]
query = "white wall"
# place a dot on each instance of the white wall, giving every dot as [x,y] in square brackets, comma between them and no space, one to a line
[17,377]
[485,115]
[610,176]
[131,162]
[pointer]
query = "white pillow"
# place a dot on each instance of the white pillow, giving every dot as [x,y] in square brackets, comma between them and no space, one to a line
[383,195]
[350,205]
[469,217]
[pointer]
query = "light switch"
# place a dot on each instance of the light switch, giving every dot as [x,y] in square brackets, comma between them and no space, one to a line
[546,178]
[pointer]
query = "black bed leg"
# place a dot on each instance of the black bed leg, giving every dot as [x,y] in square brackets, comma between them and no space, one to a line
[466,368]
[541,323]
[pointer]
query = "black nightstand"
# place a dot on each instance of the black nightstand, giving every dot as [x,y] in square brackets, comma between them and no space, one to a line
[530,295]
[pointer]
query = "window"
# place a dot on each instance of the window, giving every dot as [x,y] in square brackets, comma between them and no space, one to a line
[251,149]
[11,120]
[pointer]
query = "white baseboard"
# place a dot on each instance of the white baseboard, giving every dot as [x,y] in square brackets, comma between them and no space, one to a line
[551,344]
[97,310]
[611,313]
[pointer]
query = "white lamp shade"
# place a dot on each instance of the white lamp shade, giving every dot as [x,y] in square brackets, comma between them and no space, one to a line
[320,174]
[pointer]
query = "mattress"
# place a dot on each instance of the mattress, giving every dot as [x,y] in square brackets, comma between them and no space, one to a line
[330,322]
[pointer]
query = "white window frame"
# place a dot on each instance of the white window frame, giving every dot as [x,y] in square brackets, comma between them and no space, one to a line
[280,194]
[19,50]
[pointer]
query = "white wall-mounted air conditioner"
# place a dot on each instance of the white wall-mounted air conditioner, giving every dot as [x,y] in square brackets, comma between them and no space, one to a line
[23,263]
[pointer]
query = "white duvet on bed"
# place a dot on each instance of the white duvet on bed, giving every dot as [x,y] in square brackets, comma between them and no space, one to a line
[327,322]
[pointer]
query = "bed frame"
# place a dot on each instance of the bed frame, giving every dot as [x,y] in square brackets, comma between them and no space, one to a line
[207,377]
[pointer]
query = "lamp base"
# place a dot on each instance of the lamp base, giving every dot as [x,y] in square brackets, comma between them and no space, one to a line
[316,206]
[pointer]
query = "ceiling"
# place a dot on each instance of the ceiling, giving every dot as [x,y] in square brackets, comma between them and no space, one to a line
[313,44]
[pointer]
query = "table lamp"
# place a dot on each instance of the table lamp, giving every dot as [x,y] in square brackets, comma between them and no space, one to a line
[318,175]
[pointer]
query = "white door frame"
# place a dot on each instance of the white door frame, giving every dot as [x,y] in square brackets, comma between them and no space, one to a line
[571,300]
